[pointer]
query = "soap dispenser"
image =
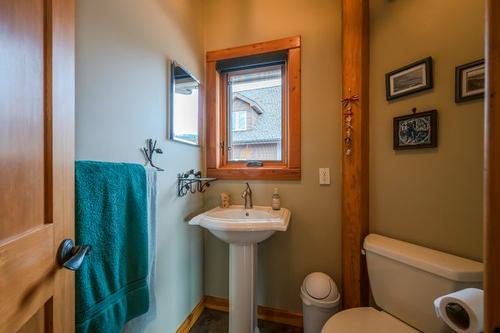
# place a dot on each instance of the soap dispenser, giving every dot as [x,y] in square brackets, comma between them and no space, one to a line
[276,202]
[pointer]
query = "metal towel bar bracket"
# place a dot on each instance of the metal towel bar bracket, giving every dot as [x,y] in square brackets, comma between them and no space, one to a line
[148,152]
[192,181]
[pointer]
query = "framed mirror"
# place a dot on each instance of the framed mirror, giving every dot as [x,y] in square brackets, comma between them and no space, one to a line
[184,106]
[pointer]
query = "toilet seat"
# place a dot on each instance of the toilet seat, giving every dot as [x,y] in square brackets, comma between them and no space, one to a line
[365,320]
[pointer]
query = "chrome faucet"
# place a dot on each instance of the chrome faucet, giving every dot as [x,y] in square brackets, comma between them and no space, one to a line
[247,195]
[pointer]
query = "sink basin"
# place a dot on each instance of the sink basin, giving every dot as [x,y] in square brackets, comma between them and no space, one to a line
[243,226]
[243,229]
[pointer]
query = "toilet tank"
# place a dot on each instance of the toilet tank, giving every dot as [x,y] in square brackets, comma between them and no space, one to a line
[406,278]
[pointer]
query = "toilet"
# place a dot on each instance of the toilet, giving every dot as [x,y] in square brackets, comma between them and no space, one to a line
[404,280]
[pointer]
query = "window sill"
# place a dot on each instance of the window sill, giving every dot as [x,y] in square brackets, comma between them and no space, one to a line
[262,173]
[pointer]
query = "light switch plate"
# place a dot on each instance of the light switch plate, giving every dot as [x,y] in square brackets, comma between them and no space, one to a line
[324,176]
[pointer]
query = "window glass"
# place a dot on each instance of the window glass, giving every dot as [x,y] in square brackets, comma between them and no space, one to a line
[255,103]
[239,120]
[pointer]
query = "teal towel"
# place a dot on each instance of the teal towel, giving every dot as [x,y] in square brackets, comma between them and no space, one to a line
[111,216]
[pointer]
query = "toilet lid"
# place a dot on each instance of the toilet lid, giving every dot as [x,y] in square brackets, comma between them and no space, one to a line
[363,320]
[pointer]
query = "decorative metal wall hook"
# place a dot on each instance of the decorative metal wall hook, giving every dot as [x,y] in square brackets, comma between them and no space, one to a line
[148,152]
[348,117]
[192,182]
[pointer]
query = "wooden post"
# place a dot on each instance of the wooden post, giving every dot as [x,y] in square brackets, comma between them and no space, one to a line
[355,62]
[492,169]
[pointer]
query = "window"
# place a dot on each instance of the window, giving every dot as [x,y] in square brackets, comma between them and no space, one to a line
[255,94]
[239,121]
[253,111]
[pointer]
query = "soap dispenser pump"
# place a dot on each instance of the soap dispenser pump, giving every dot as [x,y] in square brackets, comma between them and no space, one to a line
[276,202]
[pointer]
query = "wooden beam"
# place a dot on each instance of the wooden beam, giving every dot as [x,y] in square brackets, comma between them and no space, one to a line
[492,169]
[355,61]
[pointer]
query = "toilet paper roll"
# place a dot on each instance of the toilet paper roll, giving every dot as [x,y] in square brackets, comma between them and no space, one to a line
[462,311]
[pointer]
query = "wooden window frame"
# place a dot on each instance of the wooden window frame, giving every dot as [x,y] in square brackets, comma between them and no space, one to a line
[289,168]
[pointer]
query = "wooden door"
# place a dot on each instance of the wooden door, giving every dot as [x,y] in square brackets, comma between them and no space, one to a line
[36,164]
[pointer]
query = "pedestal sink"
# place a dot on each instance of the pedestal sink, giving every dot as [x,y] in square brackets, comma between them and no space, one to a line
[243,229]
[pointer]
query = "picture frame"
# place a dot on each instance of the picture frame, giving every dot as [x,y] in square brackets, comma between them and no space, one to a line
[469,81]
[409,79]
[414,131]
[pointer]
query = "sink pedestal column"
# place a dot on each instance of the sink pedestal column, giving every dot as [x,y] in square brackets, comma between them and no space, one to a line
[242,278]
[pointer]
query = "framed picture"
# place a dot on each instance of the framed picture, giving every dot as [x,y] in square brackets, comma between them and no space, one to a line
[469,81]
[409,79]
[418,130]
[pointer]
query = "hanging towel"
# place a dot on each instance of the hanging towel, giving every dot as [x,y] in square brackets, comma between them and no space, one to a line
[140,323]
[111,216]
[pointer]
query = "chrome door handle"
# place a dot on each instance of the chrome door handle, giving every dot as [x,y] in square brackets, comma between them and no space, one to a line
[70,256]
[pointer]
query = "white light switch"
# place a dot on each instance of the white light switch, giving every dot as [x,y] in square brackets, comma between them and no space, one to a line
[324,176]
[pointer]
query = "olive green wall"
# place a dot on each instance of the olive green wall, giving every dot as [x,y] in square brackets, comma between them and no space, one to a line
[123,48]
[312,243]
[430,197]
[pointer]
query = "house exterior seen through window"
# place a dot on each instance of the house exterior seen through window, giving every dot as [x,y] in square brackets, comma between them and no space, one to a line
[255,109]
[239,120]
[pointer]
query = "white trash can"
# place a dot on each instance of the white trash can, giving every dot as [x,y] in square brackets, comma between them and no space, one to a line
[320,300]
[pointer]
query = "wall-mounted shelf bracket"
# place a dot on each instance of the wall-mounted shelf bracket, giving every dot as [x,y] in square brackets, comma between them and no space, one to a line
[192,182]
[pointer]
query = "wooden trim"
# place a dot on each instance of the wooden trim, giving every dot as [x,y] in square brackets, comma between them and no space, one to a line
[355,60]
[492,170]
[191,319]
[212,104]
[63,156]
[201,113]
[263,312]
[217,303]
[255,173]
[280,316]
[294,116]
[290,167]
[253,49]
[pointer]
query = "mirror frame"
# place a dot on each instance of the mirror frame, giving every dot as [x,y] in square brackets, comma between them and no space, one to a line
[173,65]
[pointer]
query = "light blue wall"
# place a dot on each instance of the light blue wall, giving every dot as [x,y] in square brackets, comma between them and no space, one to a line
[122,61]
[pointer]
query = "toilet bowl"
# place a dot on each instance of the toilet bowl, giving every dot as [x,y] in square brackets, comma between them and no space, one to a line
[404,280]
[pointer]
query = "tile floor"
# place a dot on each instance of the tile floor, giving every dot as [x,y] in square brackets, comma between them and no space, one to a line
[212,321]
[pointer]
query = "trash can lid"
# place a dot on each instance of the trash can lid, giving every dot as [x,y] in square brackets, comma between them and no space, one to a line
[320,286]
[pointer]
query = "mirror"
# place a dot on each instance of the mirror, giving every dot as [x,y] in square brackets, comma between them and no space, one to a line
[184,106]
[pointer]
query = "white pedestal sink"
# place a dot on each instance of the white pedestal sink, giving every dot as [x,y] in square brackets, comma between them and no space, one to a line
[243,229]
